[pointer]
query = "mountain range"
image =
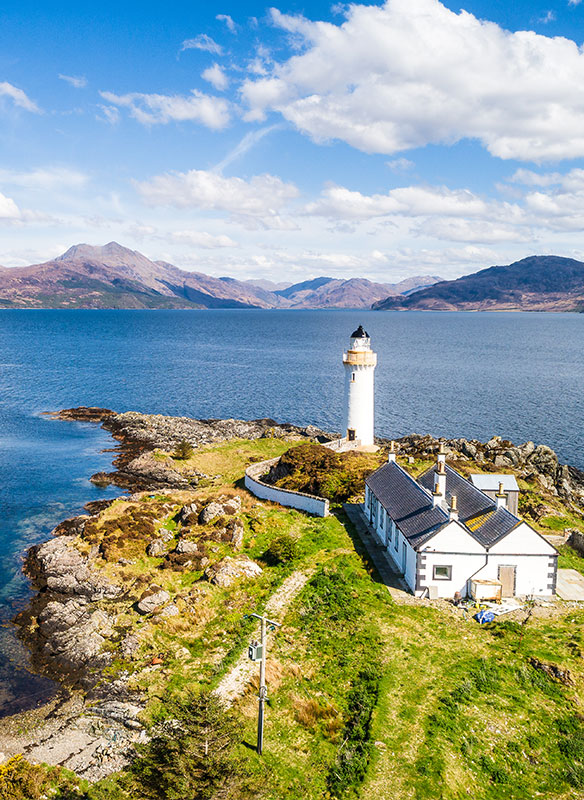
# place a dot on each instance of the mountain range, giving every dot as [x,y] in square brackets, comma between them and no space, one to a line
[114,276]
[537,283]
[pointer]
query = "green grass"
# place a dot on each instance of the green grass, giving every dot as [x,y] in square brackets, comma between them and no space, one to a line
[229,459]
[570,558]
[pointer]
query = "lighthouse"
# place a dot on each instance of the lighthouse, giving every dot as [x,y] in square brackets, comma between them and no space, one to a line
[359,362]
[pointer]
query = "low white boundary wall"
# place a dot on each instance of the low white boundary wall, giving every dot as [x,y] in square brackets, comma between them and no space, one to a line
[304,502]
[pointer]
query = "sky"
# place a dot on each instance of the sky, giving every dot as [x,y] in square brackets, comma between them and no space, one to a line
[383,141]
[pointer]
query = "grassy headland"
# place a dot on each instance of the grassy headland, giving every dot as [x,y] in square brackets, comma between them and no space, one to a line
[368,697]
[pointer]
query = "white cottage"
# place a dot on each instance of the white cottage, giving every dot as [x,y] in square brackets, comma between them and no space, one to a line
[443,532]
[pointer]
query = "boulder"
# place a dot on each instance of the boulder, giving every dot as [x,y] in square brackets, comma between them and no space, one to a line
[231,505]
[171,610]
[156,548]
[73,526]
[188,515]
[186,546]
[210,512]
[236,532]
[229,570]
[152,600]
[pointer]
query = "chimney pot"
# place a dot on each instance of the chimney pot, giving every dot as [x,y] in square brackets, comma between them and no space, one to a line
[453,507]
[501,497]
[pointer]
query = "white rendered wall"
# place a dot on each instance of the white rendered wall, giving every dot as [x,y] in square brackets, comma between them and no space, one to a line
[285,497]
[360,402]
[454,547]
[534,558]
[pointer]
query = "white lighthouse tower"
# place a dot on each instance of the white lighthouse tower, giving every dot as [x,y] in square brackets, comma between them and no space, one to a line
[359,362]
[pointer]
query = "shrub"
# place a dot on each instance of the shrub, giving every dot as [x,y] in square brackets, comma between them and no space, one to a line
[354,754]
[317,470]
[183,450]
[282,550]
[20,780]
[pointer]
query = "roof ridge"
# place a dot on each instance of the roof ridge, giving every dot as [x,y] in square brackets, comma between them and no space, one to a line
[415,481]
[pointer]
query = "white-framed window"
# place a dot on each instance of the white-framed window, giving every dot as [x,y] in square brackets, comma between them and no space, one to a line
[442,572]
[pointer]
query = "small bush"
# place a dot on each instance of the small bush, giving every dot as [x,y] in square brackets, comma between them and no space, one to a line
[282,550]
[355,752]
[183,450]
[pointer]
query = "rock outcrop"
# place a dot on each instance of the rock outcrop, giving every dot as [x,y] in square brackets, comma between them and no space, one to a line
[229,570]
[60,568]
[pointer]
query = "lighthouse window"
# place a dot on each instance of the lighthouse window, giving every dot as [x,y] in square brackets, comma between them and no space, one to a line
[352,377]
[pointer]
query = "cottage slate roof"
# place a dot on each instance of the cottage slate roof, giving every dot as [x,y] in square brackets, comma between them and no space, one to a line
[471,501]
[406,502]
[409,503]
[498,524]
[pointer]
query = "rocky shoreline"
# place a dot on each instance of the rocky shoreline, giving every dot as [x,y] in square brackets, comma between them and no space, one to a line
[81,625]
[140,435]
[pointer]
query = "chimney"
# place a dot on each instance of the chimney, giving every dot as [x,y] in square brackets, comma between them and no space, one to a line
[440,479]
[453,513]
[441,454]
[392,452]
[501,497]
[439,494]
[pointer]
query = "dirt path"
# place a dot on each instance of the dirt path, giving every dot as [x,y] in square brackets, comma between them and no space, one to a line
[234,683]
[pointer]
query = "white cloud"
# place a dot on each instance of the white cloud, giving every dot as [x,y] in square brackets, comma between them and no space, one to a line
[400,164]
[78,82]
[549,16]
[257,201]
[45,179]
[574,2]
[472,231]
[150,109]
[202,239]
[340,203]
[227,20]
[217,77]
[202,42]
[8,208]
[18,97]
[111,114]
[406,74]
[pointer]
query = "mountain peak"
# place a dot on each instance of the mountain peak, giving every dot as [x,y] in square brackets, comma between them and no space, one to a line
[110,253]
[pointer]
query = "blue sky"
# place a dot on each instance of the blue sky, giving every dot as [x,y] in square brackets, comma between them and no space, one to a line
[383,140]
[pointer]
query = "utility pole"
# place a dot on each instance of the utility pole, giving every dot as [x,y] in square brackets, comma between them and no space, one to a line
[257,652]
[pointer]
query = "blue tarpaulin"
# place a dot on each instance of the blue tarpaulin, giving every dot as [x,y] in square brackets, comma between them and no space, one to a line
[484,616]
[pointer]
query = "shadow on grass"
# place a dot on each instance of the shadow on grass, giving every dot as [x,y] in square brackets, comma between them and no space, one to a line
[360,548]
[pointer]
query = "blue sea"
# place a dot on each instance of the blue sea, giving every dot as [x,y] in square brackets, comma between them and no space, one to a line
[519,375]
